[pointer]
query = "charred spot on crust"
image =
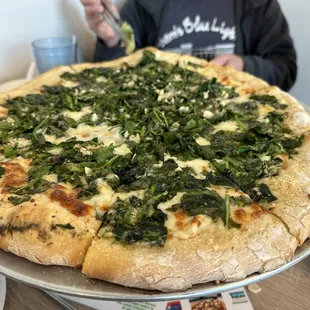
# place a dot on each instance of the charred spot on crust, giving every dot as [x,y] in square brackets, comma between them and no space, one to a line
[22,228]
[70,202]
[249,91]
[43,234]
[14,175]
[258,213]
[3,229]
[240,216]
[226,80]
[196,221]
[180,215]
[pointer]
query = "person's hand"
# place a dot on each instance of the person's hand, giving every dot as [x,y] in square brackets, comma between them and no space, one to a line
[232,60]
[96,22]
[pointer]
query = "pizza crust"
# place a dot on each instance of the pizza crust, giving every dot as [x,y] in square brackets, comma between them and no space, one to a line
[292,188]
[51,77]
[215,254]
[6,209]
[33,233]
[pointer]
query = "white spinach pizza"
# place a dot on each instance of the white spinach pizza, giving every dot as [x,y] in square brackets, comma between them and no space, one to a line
[155,171]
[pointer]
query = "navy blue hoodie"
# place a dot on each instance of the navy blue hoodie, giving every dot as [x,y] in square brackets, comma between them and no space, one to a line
[261,32]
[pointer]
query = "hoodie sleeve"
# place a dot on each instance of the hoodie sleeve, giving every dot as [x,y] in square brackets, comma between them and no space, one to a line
[141,23]
[273,56]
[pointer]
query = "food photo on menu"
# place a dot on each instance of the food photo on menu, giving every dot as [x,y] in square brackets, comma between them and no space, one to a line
[165,168]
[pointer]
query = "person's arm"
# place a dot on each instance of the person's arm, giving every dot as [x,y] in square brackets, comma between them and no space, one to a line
[273,56]
[141,23]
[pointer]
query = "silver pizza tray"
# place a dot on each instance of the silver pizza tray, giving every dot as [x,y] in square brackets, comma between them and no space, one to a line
[72,282]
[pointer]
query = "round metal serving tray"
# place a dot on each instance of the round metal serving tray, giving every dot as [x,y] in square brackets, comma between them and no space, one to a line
[72,282]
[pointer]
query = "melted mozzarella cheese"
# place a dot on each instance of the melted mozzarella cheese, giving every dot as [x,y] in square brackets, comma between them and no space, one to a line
[168,204]
[88,171]
[265,158]
[232,192]
[236,100]
[56,150]
[206,94]
[101,79]
[107,196]
[263,111]
[198,165]
[67,83]
[135,138]
[94,117]
[52,139]
[104,133]
[202,141]
[51,178]
[137,193]
[226,126]
[77,115]
[122,150]
[207,114]
[104,199]
[178,223]
[164,96]
[3,111]
[183,109]
[20,142]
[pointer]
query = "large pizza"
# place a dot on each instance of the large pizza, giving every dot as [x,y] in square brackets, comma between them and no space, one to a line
[156,171]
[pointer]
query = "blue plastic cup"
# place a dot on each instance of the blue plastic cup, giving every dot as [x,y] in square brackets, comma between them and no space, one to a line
[52,52]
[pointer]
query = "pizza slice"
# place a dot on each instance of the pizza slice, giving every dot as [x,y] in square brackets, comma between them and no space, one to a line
[41,219]
[52,227]
[292,188]
[12,174]
[198,248]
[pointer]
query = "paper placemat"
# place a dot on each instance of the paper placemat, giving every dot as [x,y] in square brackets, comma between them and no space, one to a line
[2,291]
[231,300]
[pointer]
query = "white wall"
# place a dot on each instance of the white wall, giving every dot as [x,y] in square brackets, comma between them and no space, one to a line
[23,21]
[297,13]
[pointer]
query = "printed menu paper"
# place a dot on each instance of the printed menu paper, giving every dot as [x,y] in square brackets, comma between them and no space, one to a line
[231,300]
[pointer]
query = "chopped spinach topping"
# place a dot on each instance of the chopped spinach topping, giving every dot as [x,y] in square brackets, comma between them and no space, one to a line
[262,193]
[271,100]
[16,200]
[65,226]
[88,192]
[134,220]
[159,109]
[206,202]
[130,37]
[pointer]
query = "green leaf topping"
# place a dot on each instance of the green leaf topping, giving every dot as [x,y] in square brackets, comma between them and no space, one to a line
[65,226]
[16,200]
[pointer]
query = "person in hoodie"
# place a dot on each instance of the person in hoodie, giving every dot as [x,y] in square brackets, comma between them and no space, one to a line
[249,35]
